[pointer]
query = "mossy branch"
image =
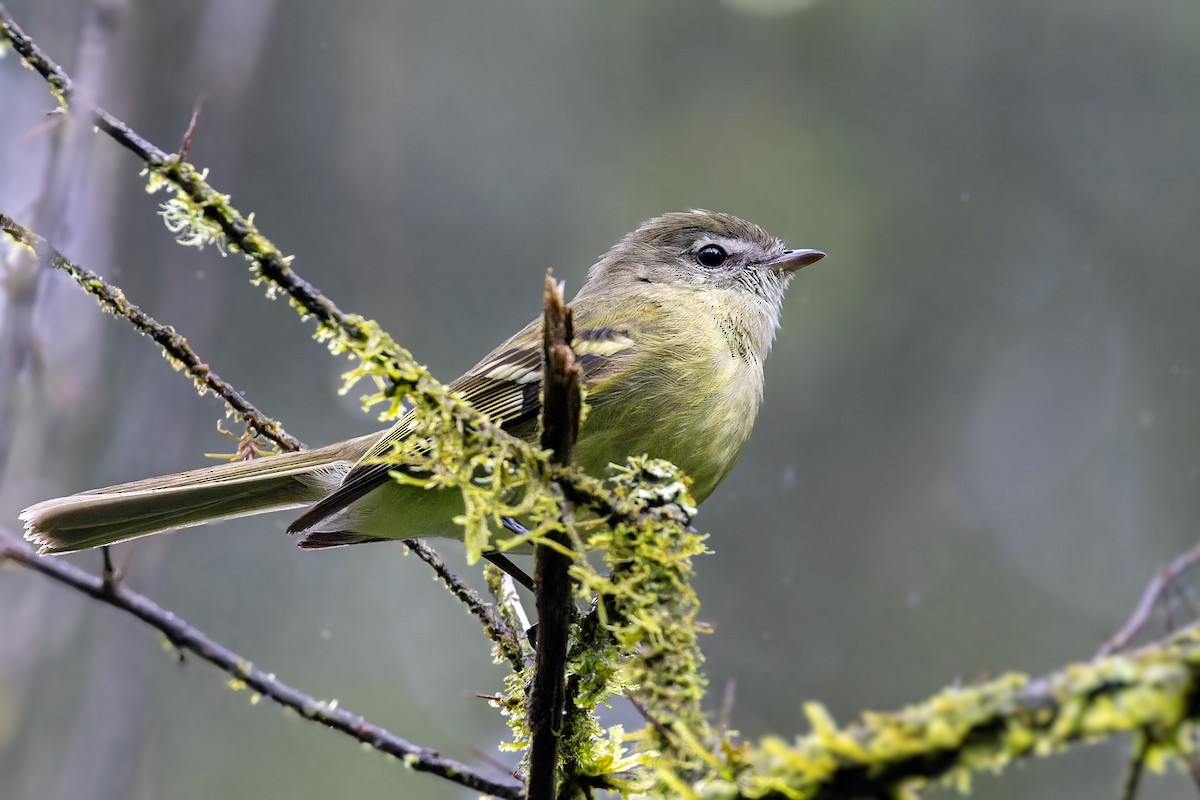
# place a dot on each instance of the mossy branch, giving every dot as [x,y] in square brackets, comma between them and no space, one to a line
[1151,693]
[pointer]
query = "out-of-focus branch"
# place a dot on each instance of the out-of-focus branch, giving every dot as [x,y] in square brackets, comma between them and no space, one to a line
[67,157]
[69,182]
[238,230]
[1154,590]
[188,639]
[113,300]
[561,403]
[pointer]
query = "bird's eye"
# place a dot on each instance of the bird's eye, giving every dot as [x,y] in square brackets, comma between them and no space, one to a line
[711,256]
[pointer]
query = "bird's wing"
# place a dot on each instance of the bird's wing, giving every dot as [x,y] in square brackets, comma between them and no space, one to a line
[506,386]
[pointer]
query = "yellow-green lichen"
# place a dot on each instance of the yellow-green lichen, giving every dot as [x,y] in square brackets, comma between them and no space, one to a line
[964,730]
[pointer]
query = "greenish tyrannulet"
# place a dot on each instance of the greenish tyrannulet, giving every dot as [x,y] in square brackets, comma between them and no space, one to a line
[672,327]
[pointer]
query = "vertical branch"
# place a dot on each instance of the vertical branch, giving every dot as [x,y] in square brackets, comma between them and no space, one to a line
[560,426]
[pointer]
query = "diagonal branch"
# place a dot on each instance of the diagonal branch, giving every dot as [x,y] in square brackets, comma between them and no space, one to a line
[1153,592]
[187,638]
[494,626]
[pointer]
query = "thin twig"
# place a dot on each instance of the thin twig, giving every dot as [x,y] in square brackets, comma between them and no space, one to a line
[1150,597]
[640,707]
[561,402]
[727,700]
[113,300]
[185,145]
[187,638]
[496,628]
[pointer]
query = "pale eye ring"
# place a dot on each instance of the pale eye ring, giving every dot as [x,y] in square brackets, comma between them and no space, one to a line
[711,256]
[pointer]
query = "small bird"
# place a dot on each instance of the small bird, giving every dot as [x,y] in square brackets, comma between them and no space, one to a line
[671,329]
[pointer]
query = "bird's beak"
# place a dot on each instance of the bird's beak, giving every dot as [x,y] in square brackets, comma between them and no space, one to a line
[792,260]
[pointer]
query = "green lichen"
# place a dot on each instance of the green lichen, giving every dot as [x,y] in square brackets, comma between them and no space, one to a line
[646,602]
[640,639]
[982,728]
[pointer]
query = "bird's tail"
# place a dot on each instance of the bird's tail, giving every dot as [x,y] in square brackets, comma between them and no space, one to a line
[237,489]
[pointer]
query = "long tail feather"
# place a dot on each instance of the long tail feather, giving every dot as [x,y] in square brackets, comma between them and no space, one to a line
[116,513]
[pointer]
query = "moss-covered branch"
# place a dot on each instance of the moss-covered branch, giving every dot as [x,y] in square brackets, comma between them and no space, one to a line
[1151,694]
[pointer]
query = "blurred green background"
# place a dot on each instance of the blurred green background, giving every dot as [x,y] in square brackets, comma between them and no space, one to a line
[979,436]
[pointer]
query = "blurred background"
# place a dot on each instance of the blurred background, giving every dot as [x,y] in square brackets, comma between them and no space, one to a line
[979,435]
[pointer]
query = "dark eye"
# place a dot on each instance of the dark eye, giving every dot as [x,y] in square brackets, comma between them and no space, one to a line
[711,256]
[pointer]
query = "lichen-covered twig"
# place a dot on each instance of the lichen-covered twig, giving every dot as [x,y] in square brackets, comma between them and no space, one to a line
[494,626]
[188,639]
[561,404]
[1152,693]
[174,346]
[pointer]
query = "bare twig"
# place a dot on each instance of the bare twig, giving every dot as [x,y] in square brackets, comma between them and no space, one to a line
[640,707]
[187,638]
[185,145]
[113,300]
[33,55]
[1150,597]
[723,722]
[560,426]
